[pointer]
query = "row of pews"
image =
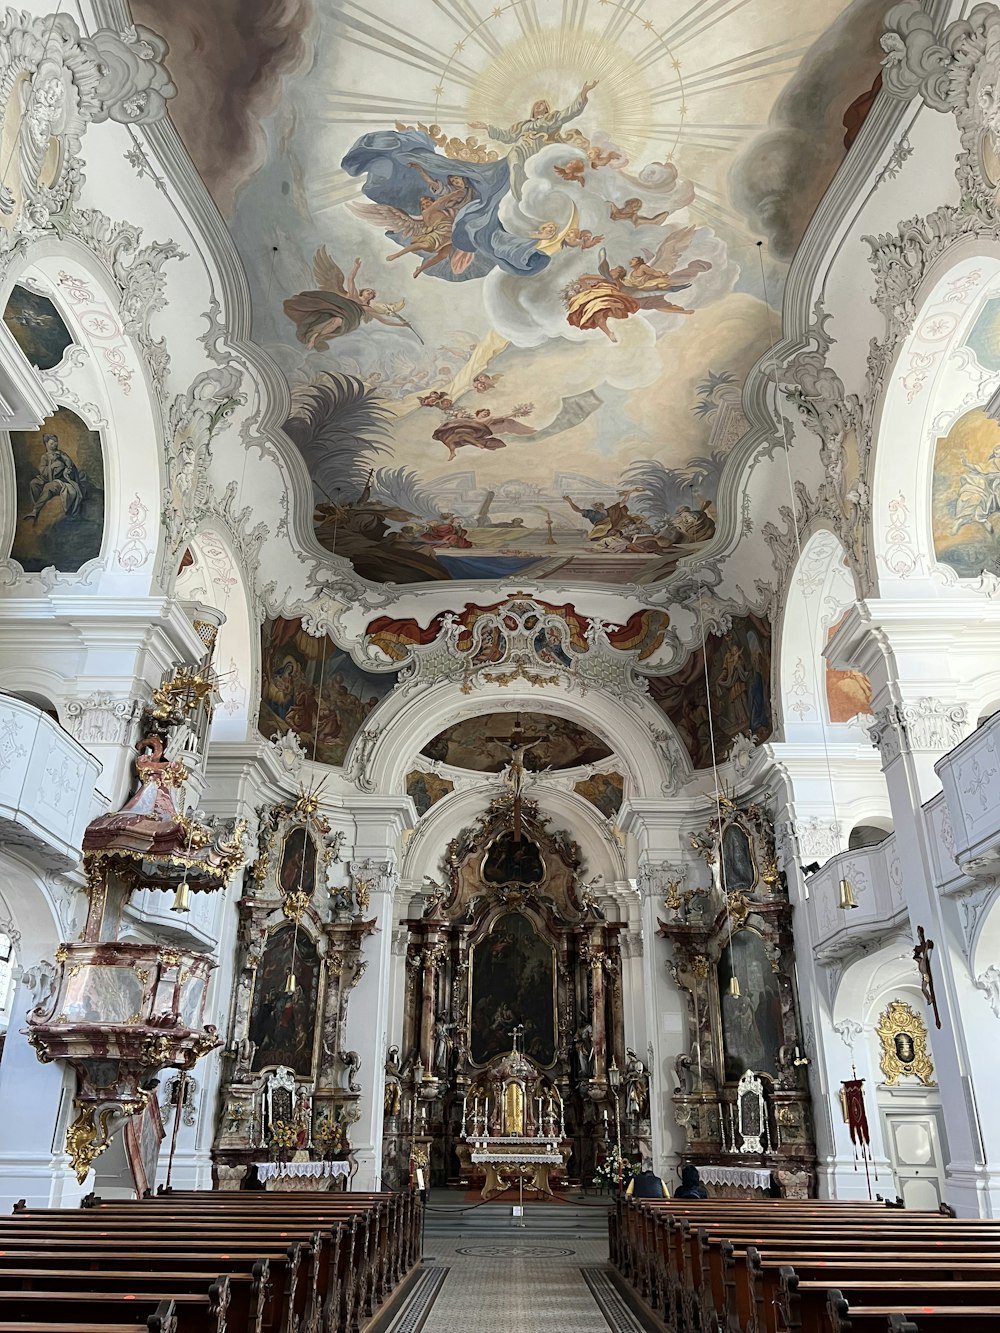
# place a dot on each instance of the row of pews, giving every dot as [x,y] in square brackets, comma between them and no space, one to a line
[781,1266]
[205,1262]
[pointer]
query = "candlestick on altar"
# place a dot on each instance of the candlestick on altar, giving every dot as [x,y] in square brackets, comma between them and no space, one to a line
[722,1128]
[562,1116]
[465,1108]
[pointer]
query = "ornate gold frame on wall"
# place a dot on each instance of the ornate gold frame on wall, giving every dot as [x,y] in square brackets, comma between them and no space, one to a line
[897,1025]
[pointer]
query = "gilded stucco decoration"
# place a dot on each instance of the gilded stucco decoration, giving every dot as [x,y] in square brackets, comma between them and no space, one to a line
[903,1035]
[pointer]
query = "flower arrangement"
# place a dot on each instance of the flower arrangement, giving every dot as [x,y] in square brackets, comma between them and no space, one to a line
[614,1169]
[329,1136]
[283,1138]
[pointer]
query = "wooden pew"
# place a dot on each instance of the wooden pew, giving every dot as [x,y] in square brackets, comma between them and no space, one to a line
[248,1291]
[688,1257]
[281,1298]
[195,1313]
[347,1253]
[162,1320]
[842,1317]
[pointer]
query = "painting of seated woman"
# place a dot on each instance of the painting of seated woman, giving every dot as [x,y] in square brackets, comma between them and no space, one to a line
[59,479]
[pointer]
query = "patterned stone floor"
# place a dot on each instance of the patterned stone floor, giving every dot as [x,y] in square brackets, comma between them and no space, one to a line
[515,1285]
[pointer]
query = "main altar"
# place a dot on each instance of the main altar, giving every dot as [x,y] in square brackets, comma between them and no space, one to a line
[514,1132]
[512,1069]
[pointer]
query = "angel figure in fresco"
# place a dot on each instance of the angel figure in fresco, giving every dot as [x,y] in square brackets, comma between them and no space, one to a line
[528,137]
[979,493]
[581,239]
[339,306]
[574,171]
[431,231]
[631,211]
[659,273]
[481,429]
[618,292]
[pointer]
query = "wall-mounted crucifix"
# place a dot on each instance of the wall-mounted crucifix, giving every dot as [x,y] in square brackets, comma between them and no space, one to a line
[922,956]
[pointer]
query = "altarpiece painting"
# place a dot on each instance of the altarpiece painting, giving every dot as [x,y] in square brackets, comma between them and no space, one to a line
[513,982]
[283,1020]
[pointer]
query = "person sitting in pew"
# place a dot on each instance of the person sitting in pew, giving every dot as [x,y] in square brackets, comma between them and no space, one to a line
[690,1186]
[646,1184]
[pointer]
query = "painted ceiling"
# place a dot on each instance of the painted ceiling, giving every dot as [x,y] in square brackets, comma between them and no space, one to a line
[485,743]
[506,253]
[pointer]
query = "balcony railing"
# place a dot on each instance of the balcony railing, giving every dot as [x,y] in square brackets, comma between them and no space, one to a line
[876,880]
[47,795]
[970,777]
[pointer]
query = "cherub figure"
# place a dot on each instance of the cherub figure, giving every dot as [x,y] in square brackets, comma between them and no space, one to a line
[574,171]
[631,211]
[581,239]
[339,306]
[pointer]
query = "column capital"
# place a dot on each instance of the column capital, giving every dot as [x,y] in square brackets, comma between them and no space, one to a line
[924,724]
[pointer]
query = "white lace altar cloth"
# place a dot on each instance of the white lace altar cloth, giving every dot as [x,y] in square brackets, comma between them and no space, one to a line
[516,1159]
[749,1177]
[275,1170]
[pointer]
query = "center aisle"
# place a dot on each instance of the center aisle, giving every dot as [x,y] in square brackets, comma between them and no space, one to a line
[483,1274]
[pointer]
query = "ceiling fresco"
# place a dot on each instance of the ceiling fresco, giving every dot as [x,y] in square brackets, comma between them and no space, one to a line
[506,253]
[485,743]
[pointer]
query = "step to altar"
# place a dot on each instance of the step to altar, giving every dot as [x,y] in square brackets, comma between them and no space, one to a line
[448,1217]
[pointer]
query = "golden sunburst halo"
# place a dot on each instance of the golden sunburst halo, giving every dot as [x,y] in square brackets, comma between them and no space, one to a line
[554,62]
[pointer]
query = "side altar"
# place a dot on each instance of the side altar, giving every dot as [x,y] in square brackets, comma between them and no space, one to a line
[743,1098]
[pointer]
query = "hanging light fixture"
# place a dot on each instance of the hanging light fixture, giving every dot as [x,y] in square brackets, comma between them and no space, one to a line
[734,985]
[182,897]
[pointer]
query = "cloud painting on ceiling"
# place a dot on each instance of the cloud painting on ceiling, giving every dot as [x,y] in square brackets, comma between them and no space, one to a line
[37,326]
[505,254]
[484,743]
[965,503]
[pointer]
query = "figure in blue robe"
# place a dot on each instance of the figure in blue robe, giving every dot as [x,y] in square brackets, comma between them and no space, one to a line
[397,165]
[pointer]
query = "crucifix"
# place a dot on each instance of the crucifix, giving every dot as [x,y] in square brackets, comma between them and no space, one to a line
[515,775]
[922,957]
[515,1034]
